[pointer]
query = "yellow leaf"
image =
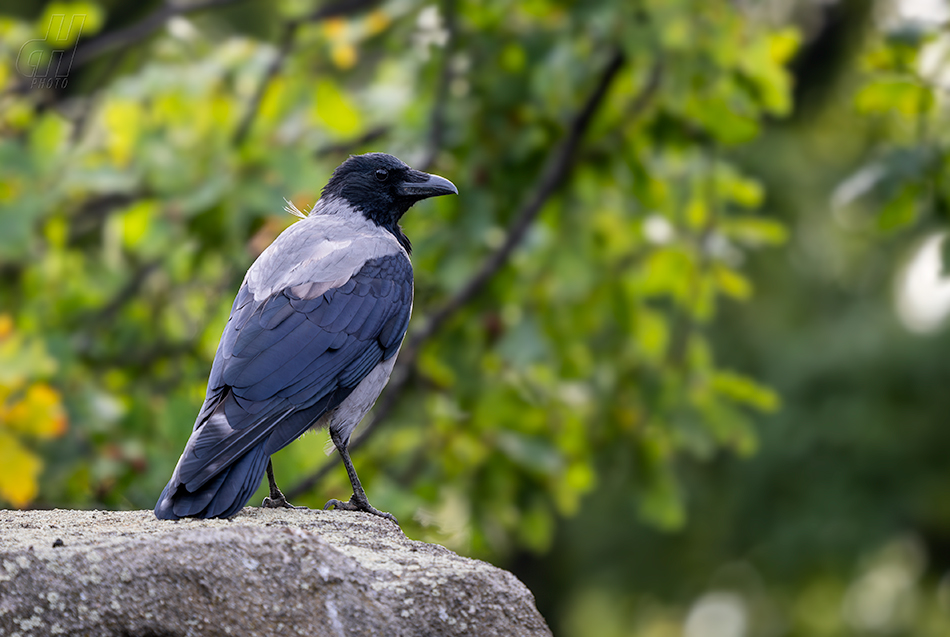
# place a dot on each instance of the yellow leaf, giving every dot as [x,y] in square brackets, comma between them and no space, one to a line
[335,28]
[783,44]
[274,100]
[335,110]
[123,120]
[39,413]
[18,472]
[343,56]
[376,22]
[6,326]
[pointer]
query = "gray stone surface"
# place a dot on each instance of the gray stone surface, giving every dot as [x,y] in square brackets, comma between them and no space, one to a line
[265,572]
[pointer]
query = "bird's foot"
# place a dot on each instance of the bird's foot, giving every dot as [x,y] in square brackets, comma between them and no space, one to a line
[359,505]
[279,502]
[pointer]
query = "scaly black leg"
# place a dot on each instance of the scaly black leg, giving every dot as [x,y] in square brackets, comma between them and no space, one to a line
[276,500]
[358,501]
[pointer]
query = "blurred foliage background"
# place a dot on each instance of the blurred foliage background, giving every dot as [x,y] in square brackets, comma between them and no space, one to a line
[679,352]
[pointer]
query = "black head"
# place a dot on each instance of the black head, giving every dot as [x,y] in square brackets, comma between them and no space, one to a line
[383,188]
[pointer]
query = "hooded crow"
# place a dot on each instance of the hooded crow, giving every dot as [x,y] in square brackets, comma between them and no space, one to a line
[311,341]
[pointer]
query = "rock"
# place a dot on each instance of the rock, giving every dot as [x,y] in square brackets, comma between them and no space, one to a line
[265,572]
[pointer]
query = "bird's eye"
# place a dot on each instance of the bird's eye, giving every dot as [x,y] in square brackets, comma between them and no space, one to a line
[382,174]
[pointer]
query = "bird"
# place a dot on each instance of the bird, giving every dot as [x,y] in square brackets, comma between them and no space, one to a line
[311,340]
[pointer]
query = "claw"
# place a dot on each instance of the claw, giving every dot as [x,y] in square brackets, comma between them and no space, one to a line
[359,505]
[276,499]
[279,503]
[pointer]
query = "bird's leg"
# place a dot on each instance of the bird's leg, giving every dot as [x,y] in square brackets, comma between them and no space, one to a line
[276,500]
[358,501]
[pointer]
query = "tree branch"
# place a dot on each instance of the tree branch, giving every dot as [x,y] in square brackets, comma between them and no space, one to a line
[121,38]
[135,33]
[437,124]
[254,106]
[345,147]
[341,8]
[554,176]
[331,10]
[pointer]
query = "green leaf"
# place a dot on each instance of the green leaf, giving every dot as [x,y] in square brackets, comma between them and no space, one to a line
[668,271]
[536,526]
[48,138]
[21,357]
[783,44]
[652,334]
[891,94]
[763,66]
[731,283]
[62,23]
[136,221]
[901,211]
[727,123]
[661,501]
[744,191]
[533,453]
[744,390]
[754,231]
[336,110]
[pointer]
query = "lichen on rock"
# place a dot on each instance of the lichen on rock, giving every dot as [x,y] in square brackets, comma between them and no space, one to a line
[265,572]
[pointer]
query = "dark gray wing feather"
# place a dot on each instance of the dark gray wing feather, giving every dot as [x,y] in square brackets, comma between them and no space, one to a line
[282,363]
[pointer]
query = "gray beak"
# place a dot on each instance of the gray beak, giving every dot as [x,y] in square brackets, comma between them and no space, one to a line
[422,185]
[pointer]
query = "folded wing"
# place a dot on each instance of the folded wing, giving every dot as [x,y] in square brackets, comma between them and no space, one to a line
[283,362]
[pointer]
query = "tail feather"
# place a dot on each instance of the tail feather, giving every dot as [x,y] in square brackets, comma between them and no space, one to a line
[222,467]
[221,497]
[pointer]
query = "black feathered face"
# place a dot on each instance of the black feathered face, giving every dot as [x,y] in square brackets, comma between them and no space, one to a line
[383,187]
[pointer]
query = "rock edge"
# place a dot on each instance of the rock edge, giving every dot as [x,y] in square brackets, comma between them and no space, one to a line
[264,572]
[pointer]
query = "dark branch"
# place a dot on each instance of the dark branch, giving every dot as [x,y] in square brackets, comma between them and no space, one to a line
[129,292]
[645,96]
[332,10]
[555,175]
[348,146]
[121,38]
[437,125]
[552,178]
[342,8]
[135,33]
[87,220]
[287,38]
[132,34]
